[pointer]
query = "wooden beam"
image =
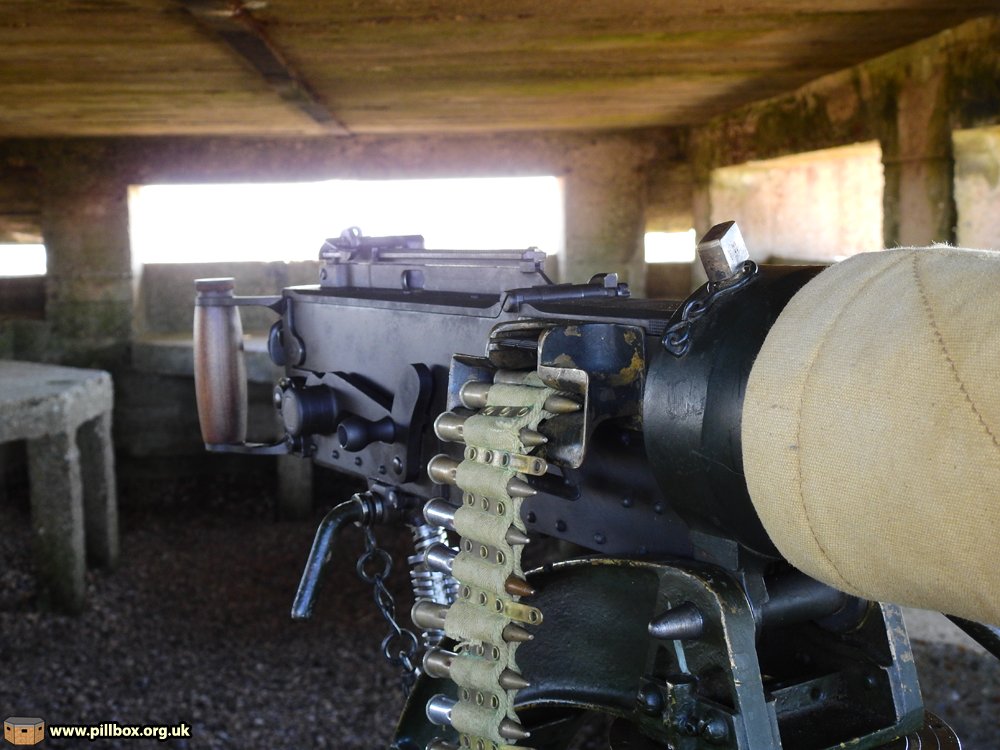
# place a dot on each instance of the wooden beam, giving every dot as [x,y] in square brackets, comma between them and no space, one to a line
[232,22]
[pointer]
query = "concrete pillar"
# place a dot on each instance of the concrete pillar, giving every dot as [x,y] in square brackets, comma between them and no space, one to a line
[295,481]
[670,197]
[918,202]
[605,211]
[670,194]
[100,507]
[85,227]
[19,204]
[701,207]
[57,518]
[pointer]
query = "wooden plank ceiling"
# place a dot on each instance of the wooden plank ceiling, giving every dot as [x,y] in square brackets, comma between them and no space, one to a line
[300,67]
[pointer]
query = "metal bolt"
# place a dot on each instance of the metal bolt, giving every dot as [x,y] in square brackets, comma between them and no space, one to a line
[658,509]
[358,461]
[599,538]
[560,525]
[650,700]
[627,502]
[382,469]
[335,454]
[716,730]
[530,516]
[397,465]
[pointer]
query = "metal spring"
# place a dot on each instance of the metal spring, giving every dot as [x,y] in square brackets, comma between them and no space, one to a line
[430,584]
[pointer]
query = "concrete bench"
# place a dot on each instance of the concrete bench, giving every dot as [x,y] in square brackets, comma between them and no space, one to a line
[64,414]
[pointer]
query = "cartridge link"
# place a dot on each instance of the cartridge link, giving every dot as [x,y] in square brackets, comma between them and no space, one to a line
[517,462]
[522,613]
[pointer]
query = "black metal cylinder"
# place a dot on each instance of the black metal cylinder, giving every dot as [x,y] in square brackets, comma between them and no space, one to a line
[795,597]
[692,408]
[355,433]
[309,410]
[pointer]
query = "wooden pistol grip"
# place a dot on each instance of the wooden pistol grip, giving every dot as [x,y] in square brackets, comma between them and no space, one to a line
[220,377]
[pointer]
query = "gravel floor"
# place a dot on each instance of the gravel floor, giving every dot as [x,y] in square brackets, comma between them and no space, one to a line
[194,628]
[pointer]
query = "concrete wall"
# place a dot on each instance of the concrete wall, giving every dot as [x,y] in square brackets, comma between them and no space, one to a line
[909,101]
[166,290]
[977,187]
[819,206]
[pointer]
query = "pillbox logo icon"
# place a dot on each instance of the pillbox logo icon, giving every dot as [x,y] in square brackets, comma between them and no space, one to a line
[19,730]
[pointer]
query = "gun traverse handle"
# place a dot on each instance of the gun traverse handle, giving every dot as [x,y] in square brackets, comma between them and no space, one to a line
[220,376]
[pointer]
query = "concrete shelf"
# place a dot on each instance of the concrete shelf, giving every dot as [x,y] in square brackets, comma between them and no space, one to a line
[64,414]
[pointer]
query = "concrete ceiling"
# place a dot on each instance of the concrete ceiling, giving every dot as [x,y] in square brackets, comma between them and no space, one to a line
[300,67]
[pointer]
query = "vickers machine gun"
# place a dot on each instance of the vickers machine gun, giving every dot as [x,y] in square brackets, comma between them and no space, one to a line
[487,407]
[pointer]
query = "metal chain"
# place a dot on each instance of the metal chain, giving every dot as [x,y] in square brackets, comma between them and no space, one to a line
[400,646]
[677,338]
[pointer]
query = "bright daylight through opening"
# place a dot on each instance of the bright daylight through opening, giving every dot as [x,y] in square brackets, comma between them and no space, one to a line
[670,247]
[22,260]
[289,221]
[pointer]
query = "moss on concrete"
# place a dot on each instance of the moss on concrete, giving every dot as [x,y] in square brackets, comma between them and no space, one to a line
[980,149]
[909,100]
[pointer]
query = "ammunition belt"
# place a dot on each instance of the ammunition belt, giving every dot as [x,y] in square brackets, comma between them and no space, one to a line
[492,479]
